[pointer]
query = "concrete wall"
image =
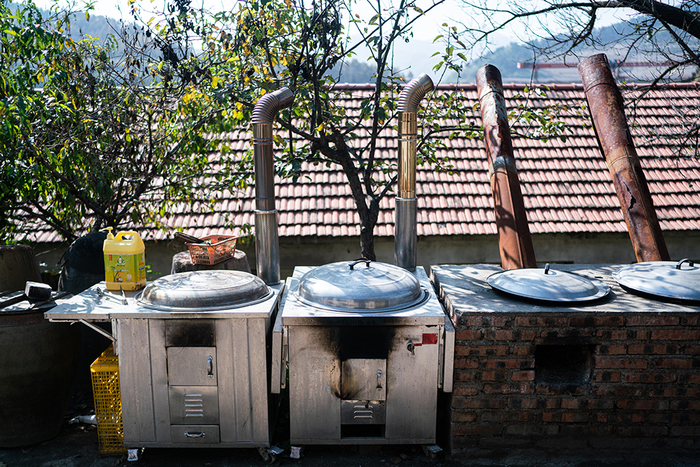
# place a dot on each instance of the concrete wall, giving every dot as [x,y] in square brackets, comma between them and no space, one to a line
[468,249]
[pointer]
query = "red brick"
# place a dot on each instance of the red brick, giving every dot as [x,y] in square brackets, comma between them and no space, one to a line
[466,363]
[650,377]
[674,363]
[464,390]
[608,320]
[463,417]
[694,379]
[652,320]
[570,403]
[607,377]
[486,350]
[468,335]
[528,403]
[676,334]
[613,362]
[490,403]
[476,430]
[619,349]
[638,418]
[511,363]
[494,375]
[523,375]
[692,350]
[693,320]
[521,350]
[619,334]
[541,322]
[641,404]
[514,335]
[501,322]
[652,349]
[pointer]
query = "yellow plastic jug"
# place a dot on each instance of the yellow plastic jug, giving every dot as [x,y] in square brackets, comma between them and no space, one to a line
[125,261]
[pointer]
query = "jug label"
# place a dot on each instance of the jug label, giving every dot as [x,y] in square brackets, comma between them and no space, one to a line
[125,268]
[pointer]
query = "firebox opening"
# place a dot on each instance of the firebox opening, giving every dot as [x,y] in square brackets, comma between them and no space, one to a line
[365,341]
[362,431]
[563,364]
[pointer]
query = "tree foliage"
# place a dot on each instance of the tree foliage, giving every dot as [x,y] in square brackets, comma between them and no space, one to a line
[96,133]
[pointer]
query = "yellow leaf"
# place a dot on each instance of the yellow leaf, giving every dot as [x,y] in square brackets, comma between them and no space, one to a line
[215,82]
[262,92]
[320,127]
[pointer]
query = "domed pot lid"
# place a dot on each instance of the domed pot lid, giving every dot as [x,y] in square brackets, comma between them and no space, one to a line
[668,279]
[360,286]
[548,285]
[203,290]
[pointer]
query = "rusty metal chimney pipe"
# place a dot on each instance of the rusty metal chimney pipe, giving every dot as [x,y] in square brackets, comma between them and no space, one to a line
[514,240]
[267,250]
[607,112]
[405,235]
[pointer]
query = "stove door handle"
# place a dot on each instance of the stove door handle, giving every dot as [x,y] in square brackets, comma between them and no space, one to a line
[199,434]
[210,363]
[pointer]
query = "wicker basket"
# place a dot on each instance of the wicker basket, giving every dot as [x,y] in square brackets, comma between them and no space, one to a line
[215,249]
[108,403]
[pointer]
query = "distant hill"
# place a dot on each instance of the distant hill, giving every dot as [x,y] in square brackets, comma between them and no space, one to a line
[506,59]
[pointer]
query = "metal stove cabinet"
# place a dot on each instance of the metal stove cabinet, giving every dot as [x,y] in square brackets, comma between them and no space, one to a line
[188,378]
[362,376]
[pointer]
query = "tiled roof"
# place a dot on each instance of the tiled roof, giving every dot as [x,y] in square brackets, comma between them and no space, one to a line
[566,185]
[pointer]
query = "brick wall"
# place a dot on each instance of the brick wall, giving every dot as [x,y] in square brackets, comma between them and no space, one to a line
[575,381]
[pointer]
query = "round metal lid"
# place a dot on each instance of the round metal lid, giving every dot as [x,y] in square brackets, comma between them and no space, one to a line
[360,285]
[668,279]
[203,290]
[548,285]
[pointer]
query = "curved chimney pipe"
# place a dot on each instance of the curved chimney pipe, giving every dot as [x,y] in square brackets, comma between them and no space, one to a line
[267,248]
[514,240]
[606,107]
[405,236]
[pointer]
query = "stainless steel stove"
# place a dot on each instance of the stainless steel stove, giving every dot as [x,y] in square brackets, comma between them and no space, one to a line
[367,347]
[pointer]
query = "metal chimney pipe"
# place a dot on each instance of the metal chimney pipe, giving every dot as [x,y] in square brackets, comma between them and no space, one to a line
[405,236]
[607,111]
[267,245]
[514,240]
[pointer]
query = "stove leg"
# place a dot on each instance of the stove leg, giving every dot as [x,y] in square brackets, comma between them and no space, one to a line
[432,450]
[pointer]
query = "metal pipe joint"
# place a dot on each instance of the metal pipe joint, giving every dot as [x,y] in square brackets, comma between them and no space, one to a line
[405,236]
[267,254]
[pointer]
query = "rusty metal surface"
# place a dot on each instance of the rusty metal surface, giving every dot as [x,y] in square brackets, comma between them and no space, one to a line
[514,240]
[607,112]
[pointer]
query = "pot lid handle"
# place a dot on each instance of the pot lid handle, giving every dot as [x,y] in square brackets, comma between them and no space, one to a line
[546,268]
[690,263]
[366,261]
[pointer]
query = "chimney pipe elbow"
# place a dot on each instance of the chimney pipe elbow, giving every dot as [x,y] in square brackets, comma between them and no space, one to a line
[414,91]
[269,104]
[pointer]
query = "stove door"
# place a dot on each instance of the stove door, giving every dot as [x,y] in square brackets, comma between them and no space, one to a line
[363,379]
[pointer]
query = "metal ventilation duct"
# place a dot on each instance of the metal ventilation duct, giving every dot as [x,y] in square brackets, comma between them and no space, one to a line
[405,237]
[514,240]
[267,250]
[607,111]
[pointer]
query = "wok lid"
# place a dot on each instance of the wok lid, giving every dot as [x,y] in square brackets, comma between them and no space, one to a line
[667,279]
[360,285]
[548,285]
[203,290]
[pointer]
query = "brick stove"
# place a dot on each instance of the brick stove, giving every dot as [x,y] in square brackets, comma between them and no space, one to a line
[622,373]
